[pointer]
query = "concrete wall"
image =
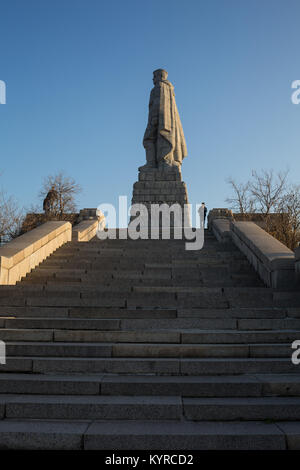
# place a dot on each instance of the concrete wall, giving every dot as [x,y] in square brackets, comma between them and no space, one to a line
[84,231]
[20,256]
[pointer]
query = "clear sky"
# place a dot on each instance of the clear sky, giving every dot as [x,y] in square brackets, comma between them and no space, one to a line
[79,73]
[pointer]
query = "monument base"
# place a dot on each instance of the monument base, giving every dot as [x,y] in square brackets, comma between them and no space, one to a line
[161,186]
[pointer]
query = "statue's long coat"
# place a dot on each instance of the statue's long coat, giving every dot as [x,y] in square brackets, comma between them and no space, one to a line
[170,138]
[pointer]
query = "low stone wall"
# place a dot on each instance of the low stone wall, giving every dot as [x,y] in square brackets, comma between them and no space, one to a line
[84,231]
[273,261]
[20,256]
[221,229]
[219,213]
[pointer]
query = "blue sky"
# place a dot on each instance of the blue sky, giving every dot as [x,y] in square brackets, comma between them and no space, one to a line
[79,73]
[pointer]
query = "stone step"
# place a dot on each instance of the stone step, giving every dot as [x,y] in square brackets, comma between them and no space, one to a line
[156,366]
[41,435]
[7,334]
[87,312]
[62,323]
[177,282]
[269,324]
[234,313]
[120,313]
[287,299]
[237,366]
[116,324]
[62,350]
[110,407]
[184,300]
[250,408]
[184,336]
[90,407]
[146,350]
[140,435]
[168,321]
[84,312]
[238,336]
[50,384]
[187,435]
[202,386]
[103,300]
[150,336]
[229,293]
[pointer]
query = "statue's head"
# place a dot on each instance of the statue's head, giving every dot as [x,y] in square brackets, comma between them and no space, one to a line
[159,75]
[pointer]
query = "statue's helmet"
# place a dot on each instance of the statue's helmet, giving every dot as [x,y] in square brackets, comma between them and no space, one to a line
[160,74]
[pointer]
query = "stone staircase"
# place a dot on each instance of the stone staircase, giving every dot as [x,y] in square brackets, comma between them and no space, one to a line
[123,344]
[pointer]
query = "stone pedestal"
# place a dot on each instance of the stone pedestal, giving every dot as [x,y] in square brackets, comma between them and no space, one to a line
[161,186]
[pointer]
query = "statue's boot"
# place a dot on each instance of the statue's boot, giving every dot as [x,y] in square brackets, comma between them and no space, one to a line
[150,157]
[146,167]
[167,163]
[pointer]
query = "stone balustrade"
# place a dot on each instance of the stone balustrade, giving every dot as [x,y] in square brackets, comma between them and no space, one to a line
[85,230]
[273,261]
[221,229]
[21,255]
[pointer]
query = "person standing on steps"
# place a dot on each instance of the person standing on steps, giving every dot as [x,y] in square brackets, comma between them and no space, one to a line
[202,214]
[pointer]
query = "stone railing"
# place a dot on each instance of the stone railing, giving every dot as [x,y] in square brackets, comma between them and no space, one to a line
[220,213]
[276,264]
[273,261]
[84,231]
[221,229]
[21,255]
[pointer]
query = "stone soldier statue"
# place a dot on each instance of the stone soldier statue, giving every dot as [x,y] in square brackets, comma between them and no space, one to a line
[50,200]
[164,139]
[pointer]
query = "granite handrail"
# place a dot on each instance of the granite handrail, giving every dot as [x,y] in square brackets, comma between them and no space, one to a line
[19,256]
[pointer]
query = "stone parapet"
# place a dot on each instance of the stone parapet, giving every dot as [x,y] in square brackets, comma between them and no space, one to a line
[219,213]
[221,229]
[84,231]
[21,255]
[273,261]
[87,214]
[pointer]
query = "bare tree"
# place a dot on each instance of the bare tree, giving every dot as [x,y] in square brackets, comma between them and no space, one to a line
[267,189]
[286,225]
[241,202]
[11,217]
[66,189]
[277,204]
